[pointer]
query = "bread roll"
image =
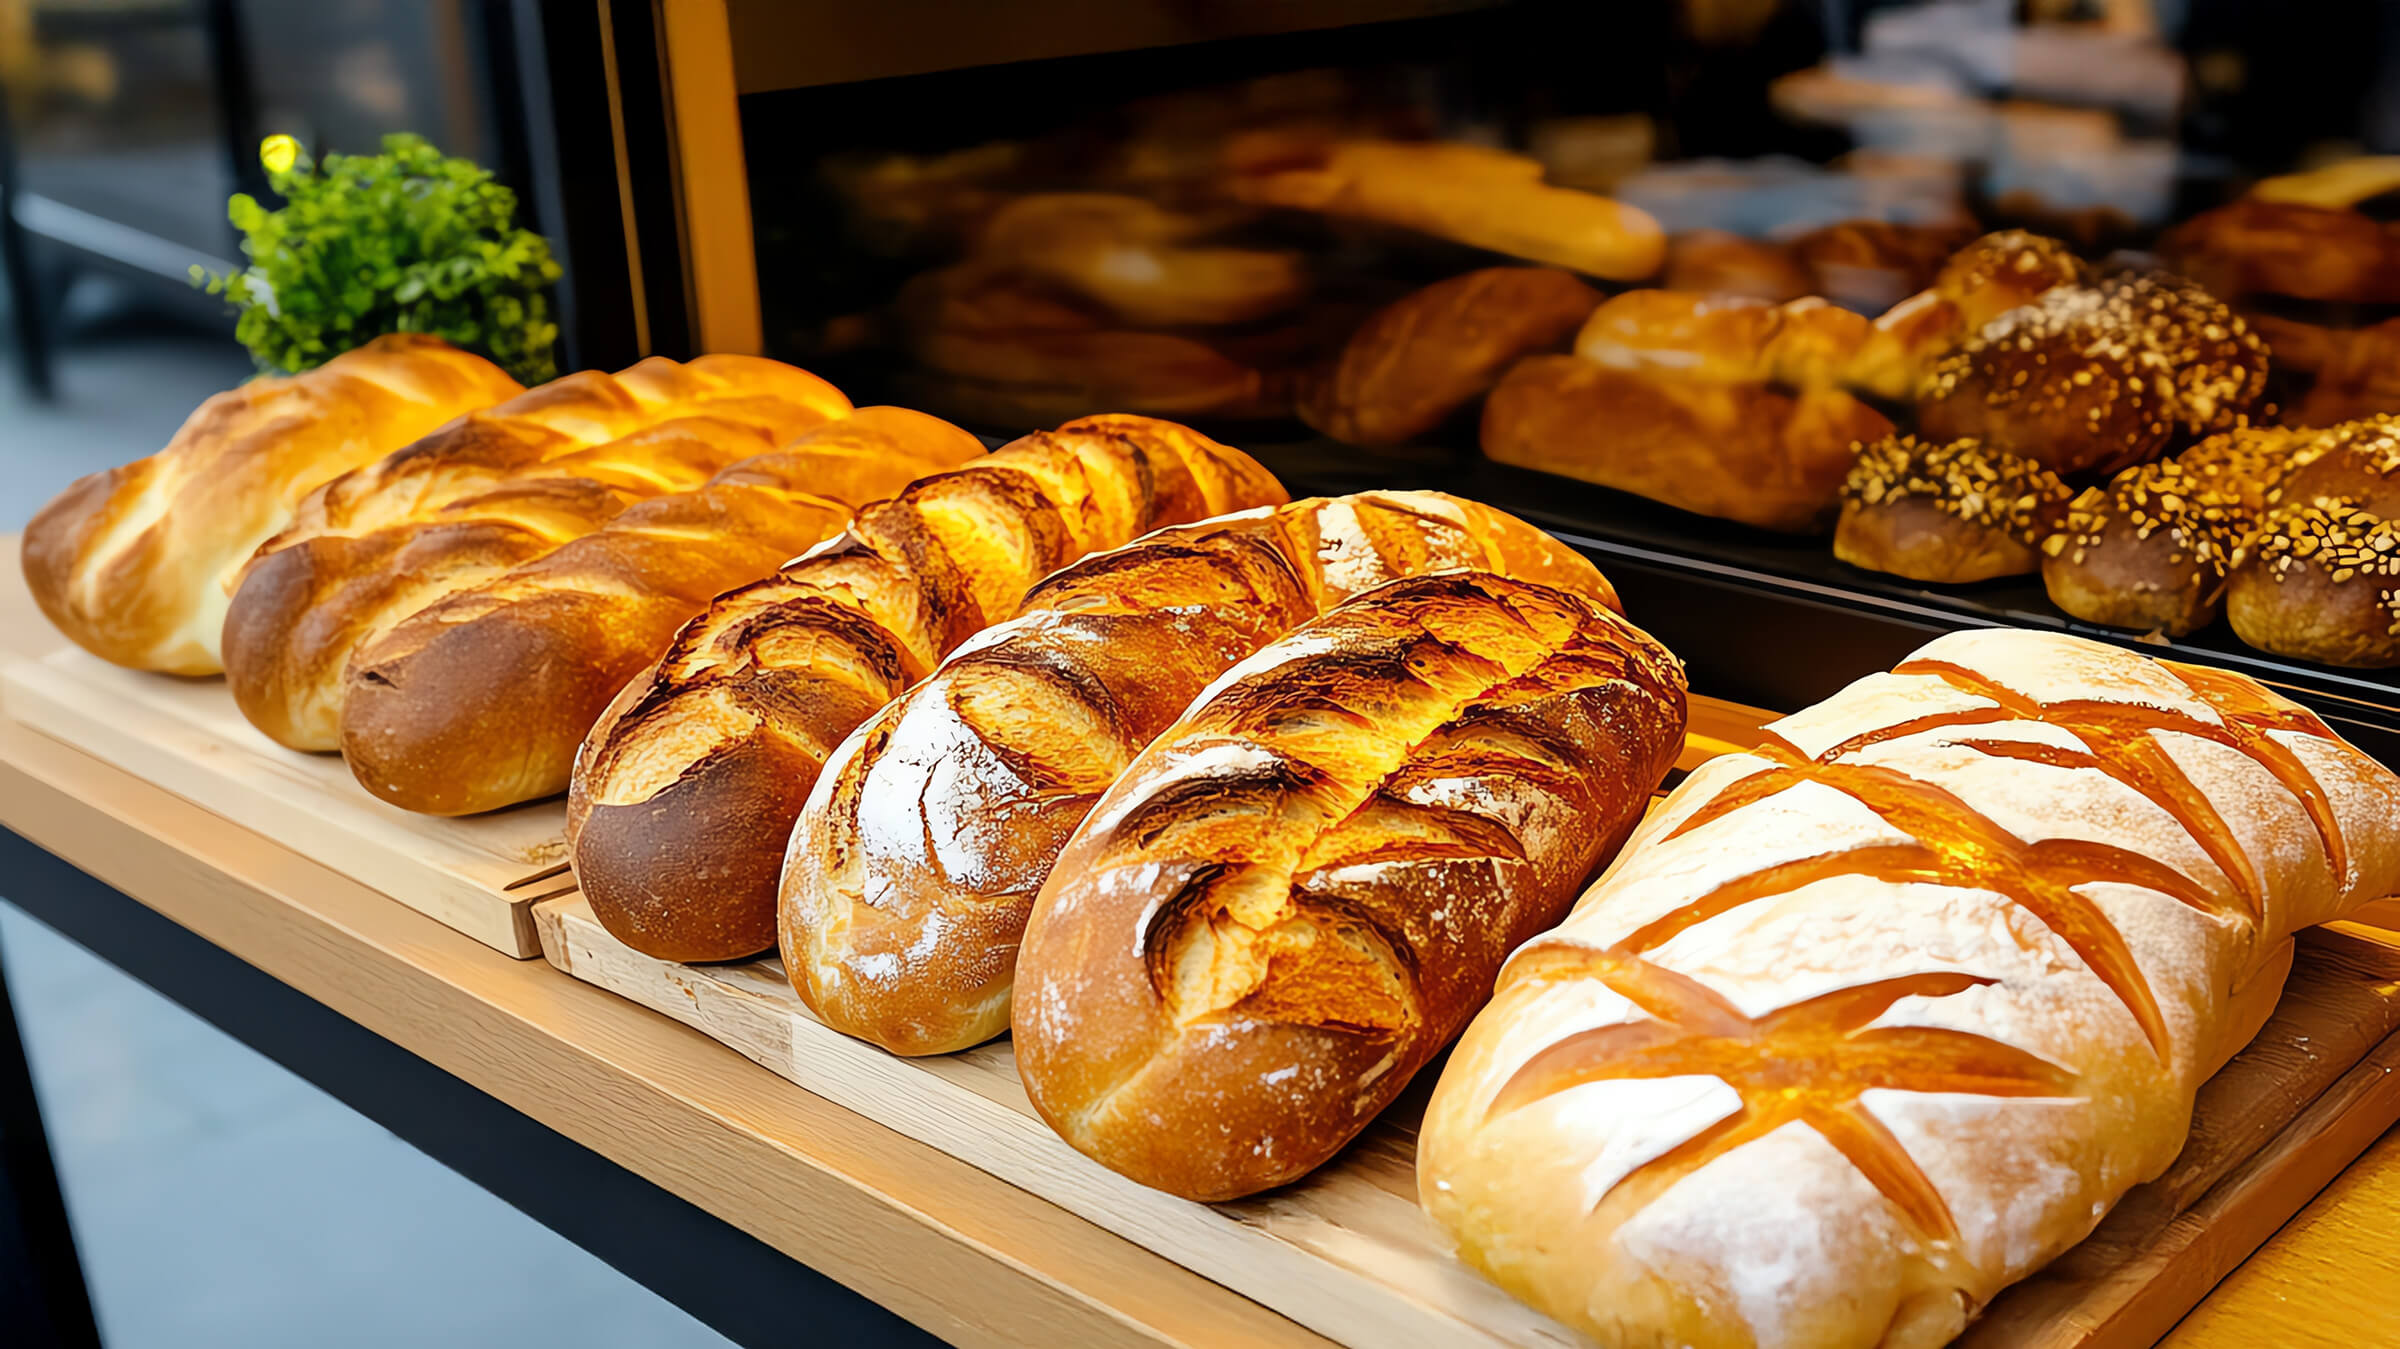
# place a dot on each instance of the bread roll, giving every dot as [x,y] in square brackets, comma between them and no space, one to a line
[1875,1020]
[931,828]
[1718,262]
[478,700]
[1950,511]
[1422,358]
[1139,260]
[684,793]
[135,563]
[2099,377]
[489,493]
[1743,452]
[2253,247]
[1470,194]
[1804,343]
[1295,896]
[2319,576]
[1871,265]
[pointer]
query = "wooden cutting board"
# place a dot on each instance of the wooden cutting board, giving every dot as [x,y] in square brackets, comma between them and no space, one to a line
[1348,1254]
[480,876]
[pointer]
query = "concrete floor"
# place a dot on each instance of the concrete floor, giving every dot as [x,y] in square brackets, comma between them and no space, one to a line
[217,1199]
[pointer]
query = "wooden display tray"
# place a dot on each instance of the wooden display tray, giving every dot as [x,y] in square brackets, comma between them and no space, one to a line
[1348,1254]
[480,875]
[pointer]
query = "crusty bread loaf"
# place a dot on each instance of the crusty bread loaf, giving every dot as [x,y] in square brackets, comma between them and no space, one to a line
[1947,511]
[931,828]
[2318,577]
[491,492]
[1869,1023]
[1471,194]
[478,700]
[135,563]
[684,793]
[1746,452]
[1295,896]
[1418,360]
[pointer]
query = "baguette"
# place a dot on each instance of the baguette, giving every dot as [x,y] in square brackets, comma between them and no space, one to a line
[488,493]
[684,793]
[931,828]
[135,563]
[1878,1018]
[1295,896]
[478,700]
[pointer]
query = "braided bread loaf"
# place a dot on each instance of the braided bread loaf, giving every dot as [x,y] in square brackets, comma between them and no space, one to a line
[1870,1022]
[135,563]
[488,493]
[1295,896]
[684,793]
[478,700]
[932,827]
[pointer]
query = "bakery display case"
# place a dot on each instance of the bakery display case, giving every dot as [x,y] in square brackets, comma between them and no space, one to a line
[1368,241]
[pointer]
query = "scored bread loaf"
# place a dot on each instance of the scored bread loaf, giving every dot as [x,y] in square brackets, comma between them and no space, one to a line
[488,493]
[1868,1023]
[478,700]
[684,793]
[931,828]
[135,563]
[1296,895]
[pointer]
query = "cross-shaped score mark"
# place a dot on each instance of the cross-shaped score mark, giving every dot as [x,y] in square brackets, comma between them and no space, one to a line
[1806,1063]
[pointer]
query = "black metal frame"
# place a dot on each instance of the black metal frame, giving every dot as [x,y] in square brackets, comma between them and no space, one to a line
[729,1280]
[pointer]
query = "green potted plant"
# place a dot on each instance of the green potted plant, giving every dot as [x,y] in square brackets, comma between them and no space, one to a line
[410,240]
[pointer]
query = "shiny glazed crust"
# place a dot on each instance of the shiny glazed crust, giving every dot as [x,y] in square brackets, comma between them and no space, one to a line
[684,793]
[932,827]
[1875,1020]
[478,700]
[1293,898]
[135,563]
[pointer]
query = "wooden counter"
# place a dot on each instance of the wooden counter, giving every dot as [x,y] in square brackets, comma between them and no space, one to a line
[947,1246]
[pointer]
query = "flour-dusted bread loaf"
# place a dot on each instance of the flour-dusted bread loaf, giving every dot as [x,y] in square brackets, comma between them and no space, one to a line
[135,563]
[684,793]
[932,827]
[1873,1021]
[478,700]
[477,498]
[1295,896]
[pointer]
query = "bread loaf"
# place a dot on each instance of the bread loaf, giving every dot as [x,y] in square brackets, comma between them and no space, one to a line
[1418,360]
[1873,1021]
[1145,264]
[684,793]
[491,492]
[135,563]
[1471,194]
[1746,452]
[1295,896]
[478,700]
[932,827]
[2305,252]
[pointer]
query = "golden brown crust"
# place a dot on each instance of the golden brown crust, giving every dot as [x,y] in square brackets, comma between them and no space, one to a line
[1717,262]
[2099,377]
[1292,900]
[1954,511]
[491,492]
[134,563]
[1743,452]
[478,700]
[769,679]
[1415,362]
[913,866]
[1871,265]
[2253,247]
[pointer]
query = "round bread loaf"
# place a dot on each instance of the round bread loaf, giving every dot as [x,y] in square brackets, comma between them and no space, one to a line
[1953,511]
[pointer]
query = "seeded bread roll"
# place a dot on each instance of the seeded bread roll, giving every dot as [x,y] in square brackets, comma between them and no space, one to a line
[1952,511]
[684,793]
[2319,578]
[2099,377]
[136,563]
[2149,551]
[1415,362]
[933,826]
[1295,896]
[1745,452]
